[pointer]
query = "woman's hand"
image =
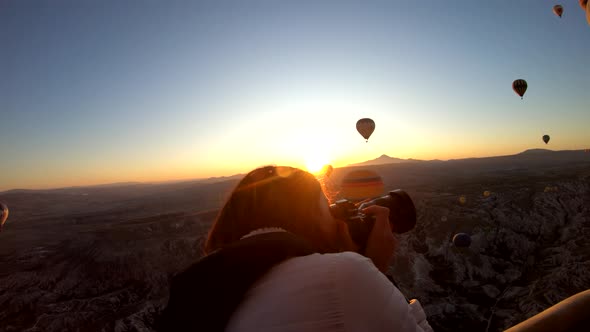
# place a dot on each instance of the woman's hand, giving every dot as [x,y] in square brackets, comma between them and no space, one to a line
[381,243]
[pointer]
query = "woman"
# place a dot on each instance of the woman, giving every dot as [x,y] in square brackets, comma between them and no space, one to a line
[278,261]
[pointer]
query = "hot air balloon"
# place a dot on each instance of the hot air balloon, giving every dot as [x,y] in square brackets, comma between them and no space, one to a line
[3,214]
[462,240]
[546,138]
[361,184]
[584,4]
[519,86]
[462,199]
[558,10]
[365,127]
[487,193]
[550,189]
[327,170]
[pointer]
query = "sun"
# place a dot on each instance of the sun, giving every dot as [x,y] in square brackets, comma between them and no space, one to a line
[312,152]
[314,162]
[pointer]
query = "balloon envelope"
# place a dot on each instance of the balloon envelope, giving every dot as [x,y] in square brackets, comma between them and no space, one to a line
[327,170]
[558,10]
[3,214]
[519,86]
[361,184]
[584,4]
[365,127]
[462,199]
[546,138]
[462,240]
[487,193]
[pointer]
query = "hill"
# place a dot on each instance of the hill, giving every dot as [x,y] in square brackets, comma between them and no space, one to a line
[382,160]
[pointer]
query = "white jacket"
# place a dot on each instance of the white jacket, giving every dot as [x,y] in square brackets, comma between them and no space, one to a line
[327,292]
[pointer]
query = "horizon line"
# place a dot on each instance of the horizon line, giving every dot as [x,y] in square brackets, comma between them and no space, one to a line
[221,177]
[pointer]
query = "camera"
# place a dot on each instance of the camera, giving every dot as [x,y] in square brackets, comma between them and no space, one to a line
[402,215]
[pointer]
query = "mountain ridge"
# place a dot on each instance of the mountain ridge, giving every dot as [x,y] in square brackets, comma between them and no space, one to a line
[384,159]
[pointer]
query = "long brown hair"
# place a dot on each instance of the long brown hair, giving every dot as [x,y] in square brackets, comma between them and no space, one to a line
[270,196]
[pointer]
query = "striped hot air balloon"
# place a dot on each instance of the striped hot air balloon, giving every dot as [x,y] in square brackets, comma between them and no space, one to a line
[361,184]
[558,10]
[519,86]
[365,127]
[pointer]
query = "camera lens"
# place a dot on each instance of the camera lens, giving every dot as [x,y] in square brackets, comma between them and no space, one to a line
[402,212]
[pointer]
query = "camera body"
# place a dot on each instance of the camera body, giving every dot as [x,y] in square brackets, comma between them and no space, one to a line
[402,215]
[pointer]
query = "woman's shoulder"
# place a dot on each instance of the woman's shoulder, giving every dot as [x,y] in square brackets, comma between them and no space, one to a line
[352,276]
[338,289]
[346,258]
[353,262]
[364,295]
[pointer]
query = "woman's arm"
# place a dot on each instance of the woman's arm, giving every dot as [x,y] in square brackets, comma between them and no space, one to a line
[370,302]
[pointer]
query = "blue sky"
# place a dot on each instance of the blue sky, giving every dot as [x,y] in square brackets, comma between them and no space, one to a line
[96,92]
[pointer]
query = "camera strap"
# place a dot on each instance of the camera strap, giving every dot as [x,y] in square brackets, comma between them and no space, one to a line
[204,296]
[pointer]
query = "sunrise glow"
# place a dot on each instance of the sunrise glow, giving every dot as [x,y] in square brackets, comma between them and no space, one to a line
[84,102]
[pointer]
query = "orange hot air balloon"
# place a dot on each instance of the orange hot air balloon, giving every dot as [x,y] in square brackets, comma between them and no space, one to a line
[365,127]
[3,214]
[519,86]
[327,170]
[558,10]
[462,200]
[584,4]
[361,184]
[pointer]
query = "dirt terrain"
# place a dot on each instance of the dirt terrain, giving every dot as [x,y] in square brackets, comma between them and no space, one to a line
[100,258]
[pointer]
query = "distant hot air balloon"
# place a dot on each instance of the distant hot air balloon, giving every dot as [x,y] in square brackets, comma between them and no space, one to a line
[462,240]
[551,189]
[462,199]
[546,138]
[558,10]
[487,193]
[327,170]
[584,4]
[360,184]
[519,86]
[365,127]
[3,214]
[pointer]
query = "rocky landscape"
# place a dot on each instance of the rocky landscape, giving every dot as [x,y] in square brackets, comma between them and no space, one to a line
[100,258]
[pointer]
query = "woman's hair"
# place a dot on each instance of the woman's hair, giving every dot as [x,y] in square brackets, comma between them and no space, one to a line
[270,196]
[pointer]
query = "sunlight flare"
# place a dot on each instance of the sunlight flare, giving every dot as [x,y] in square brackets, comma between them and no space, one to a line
[315,162]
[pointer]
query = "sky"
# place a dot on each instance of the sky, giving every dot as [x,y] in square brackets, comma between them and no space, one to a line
[107,91]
